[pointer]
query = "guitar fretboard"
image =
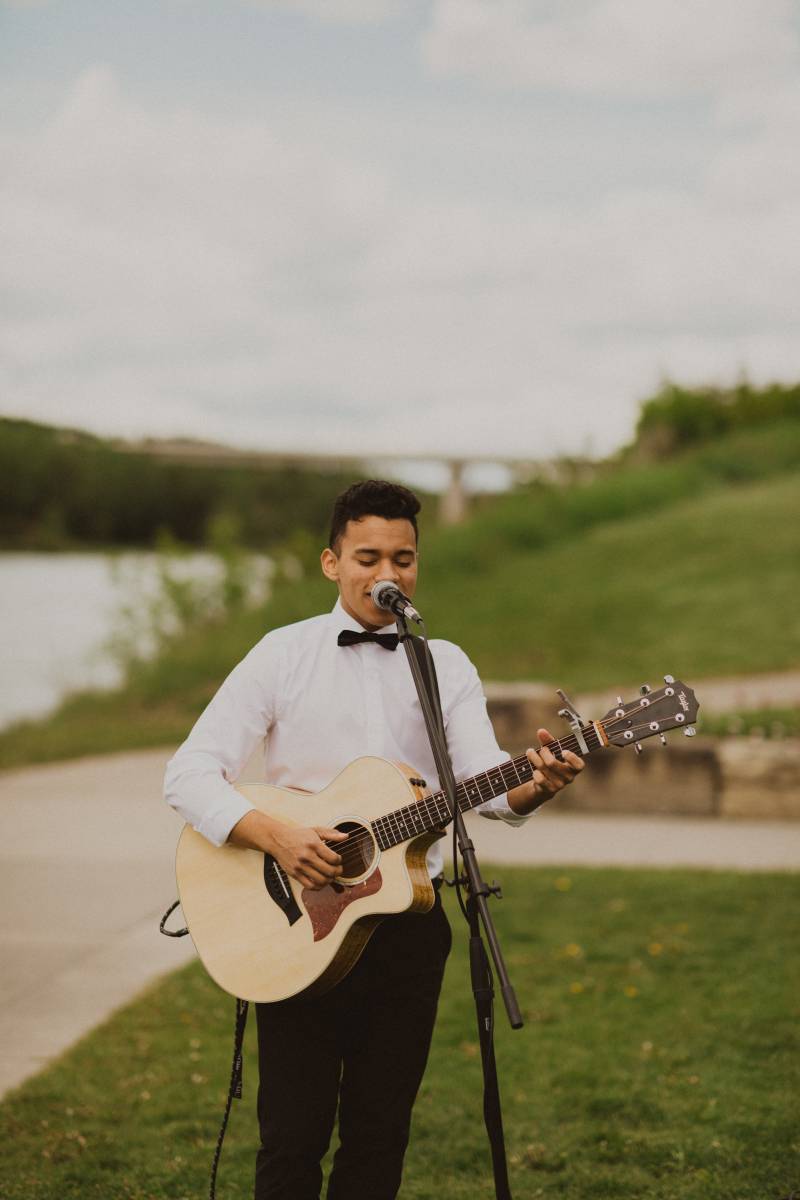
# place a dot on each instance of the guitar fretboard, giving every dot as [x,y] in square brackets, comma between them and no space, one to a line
[433,812]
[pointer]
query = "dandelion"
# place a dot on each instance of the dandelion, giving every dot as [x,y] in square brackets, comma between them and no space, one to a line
[563,883]
[631,991]
[573,950]
[576,988]
[655,948]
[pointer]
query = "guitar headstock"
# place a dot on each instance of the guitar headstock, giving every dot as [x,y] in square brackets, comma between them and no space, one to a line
[653,714]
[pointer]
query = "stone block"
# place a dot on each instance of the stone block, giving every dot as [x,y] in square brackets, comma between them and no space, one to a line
[676,778]
[760,778]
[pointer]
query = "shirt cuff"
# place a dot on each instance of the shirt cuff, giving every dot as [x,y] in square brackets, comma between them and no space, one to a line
[497,809]
[217,824]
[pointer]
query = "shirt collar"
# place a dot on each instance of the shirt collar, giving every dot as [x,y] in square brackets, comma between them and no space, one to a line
[342,619]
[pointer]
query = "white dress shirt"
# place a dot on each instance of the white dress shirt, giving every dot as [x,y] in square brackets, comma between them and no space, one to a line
[318,705]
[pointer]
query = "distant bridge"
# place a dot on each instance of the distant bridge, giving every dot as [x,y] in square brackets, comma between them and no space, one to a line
[454,499]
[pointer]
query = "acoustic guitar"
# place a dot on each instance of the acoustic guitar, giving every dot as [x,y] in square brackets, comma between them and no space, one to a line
[262,936]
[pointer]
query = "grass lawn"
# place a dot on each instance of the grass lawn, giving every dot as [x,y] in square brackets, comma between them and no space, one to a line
[659,1060]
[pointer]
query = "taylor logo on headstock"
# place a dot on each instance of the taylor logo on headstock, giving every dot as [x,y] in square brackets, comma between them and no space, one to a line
[670,707]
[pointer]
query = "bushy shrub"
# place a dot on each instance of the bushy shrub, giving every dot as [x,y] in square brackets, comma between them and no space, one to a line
[677,417]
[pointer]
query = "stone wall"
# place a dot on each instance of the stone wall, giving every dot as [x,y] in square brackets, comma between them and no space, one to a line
[728,777]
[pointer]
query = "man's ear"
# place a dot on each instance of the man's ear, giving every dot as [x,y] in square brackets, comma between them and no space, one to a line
[330,565]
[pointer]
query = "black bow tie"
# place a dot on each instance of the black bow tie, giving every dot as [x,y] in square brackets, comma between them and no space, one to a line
[349,637]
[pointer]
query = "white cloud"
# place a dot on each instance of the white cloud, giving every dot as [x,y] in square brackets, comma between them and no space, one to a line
[298,278]
[623,48]
[345,12]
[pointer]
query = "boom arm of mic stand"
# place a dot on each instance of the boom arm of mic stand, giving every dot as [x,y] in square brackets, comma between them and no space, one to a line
[479,892]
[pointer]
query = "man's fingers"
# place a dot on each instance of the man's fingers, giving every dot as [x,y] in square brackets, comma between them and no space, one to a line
[334,835]
[312,879]
[325,852]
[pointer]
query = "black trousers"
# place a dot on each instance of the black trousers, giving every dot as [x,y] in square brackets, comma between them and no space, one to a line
[364,1044]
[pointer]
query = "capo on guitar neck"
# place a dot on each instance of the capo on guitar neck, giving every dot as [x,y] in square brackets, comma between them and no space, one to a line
[573,719]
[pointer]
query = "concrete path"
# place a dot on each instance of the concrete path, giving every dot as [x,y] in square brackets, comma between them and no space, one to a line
[86,870]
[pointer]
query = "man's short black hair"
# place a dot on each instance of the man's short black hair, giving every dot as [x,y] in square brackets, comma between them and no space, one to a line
[372,498]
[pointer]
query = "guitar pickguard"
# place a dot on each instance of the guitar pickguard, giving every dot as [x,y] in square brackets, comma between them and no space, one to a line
[326,905]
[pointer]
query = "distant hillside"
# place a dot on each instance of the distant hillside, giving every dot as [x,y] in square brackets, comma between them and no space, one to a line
[62,488]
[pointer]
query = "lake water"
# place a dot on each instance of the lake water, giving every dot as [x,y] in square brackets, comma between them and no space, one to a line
[60,611]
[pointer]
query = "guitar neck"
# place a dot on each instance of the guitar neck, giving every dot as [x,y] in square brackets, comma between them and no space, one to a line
[433,811]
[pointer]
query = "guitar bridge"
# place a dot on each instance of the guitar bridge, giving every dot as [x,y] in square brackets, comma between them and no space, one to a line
[276,881]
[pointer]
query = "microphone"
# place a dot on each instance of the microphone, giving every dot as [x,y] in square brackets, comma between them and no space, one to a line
[386,595]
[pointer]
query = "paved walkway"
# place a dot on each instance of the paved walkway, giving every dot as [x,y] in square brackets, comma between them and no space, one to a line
[86,862]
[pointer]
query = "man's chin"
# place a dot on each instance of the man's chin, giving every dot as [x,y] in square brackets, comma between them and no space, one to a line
[373,617]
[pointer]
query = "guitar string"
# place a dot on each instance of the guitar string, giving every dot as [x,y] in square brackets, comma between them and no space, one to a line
[428,803]
[365,838]
[351,853]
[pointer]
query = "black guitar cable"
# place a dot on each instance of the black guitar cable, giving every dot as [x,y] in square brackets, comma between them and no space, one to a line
[235,1086]
[234,1089]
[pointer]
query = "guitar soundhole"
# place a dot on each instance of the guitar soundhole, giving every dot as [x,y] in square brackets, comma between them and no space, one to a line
[359,853]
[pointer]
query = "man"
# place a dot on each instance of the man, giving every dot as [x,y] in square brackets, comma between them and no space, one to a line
[319,704]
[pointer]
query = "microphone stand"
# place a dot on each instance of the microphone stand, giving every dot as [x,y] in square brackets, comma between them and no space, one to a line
[477,911]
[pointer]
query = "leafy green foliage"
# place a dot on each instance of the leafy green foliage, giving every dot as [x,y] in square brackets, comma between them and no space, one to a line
[770,723]
[677,417]
[659,1060]
[60,488]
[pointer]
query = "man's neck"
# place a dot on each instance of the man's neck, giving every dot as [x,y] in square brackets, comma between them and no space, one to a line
[362,623]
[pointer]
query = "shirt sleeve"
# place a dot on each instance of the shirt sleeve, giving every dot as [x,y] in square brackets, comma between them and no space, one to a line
[199,777]
[470,737]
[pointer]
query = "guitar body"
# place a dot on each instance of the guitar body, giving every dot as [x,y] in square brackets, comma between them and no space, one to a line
[264,937]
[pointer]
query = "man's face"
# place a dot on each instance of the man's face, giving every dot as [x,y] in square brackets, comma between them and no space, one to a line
[371,549]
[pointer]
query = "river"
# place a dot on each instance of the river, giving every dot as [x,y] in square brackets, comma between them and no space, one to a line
[60,612]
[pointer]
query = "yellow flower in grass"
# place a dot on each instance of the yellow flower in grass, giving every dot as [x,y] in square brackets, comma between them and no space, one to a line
[631,991]
[655,948]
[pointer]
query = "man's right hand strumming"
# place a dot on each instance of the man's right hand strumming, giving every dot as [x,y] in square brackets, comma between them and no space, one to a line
[300,851]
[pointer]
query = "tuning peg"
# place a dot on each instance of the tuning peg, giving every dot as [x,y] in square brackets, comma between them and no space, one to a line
[689,731]
[669,679]
[645,689]
[663,739]
[638,747]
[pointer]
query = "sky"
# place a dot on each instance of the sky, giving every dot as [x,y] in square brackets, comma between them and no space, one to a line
[401,226]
